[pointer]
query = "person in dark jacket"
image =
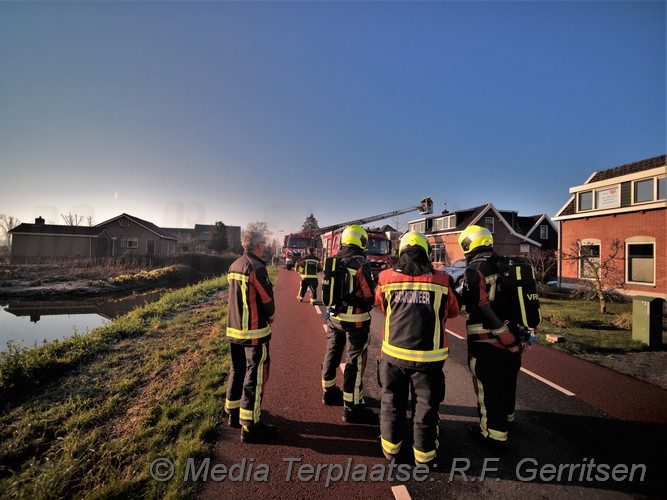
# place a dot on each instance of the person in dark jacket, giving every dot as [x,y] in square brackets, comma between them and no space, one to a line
[494,351]
[308,267]
[349,323]
[417,300]
[250,314]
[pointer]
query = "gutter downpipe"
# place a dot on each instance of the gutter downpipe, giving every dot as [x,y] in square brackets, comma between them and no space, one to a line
[560,253]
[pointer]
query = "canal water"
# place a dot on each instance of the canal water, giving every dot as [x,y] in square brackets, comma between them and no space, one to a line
[28,322]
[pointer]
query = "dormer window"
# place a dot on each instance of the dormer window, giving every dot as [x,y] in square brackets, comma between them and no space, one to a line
[585,201]
[648,190]
[643,191]
[609,197]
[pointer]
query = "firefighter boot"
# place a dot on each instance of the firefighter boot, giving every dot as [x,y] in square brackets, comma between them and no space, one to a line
[332,397]
[258,433]
[359,414]
[233,419]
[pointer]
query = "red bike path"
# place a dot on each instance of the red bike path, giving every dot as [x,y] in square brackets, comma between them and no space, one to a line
[312,434]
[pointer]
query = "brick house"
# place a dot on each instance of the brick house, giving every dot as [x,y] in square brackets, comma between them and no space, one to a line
[512,234]
[135,236]
[625,203]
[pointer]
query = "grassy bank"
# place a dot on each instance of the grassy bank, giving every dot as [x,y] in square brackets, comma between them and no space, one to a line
[585,330]
[86,417]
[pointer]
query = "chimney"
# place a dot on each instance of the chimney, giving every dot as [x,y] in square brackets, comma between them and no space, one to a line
[39,221]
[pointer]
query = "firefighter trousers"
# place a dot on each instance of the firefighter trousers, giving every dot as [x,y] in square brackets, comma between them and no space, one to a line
[357,341]
[248,372]
[428,389]
[307,283]
[494,372]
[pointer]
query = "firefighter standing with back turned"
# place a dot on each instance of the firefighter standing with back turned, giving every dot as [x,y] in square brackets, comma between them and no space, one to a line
[308,268]
[494,351]
[350,323]
[417,300]
[250,314]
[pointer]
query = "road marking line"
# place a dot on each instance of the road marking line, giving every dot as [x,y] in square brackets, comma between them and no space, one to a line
[319,311]
[548,382]
[400,492]
[534,375]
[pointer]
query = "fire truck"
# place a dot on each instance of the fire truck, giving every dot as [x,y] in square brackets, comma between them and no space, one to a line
[378,248]
[297,245]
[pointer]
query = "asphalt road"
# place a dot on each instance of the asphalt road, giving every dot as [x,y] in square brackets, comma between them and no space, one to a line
[581,430]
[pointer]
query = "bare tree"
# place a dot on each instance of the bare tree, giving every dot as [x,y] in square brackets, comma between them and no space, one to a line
[7,223]
[90,220]
[544,264]
[72,219]
[398,224]
[260,227]
[599,272]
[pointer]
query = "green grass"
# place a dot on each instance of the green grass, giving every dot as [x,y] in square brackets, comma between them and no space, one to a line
[86,416]
[586,330]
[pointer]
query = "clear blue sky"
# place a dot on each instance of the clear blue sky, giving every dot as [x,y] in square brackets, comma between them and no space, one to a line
[197,112]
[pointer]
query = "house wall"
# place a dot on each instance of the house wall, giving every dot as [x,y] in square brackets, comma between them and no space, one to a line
[27,247]
[551,243]
[504,243]
[651,224]
[163,247]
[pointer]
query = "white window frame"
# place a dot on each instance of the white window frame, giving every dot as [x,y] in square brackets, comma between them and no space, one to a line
[579,195]
[544,231]
[664,188]
[654,188]
[438,253]
[418,226]
[490,224]
[581,262]
[129,242]
[595,200]
[639,240]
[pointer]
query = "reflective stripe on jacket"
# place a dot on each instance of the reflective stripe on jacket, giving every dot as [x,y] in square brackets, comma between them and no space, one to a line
[250,301]
[361,291]
[485,321]
[416,309]
[308,267]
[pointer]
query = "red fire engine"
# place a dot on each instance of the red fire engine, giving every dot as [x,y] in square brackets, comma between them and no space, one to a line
[378,249]
[297,245]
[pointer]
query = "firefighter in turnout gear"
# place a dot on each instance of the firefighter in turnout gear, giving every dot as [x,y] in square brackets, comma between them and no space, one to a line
[494,352]
[308,267]
[417,300]
[250,314]
[349,323]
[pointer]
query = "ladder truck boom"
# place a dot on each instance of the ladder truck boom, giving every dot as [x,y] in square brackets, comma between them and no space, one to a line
[296,245]
[425,208]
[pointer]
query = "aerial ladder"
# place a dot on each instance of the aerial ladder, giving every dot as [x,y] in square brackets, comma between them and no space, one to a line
[297,244]
[425,208]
